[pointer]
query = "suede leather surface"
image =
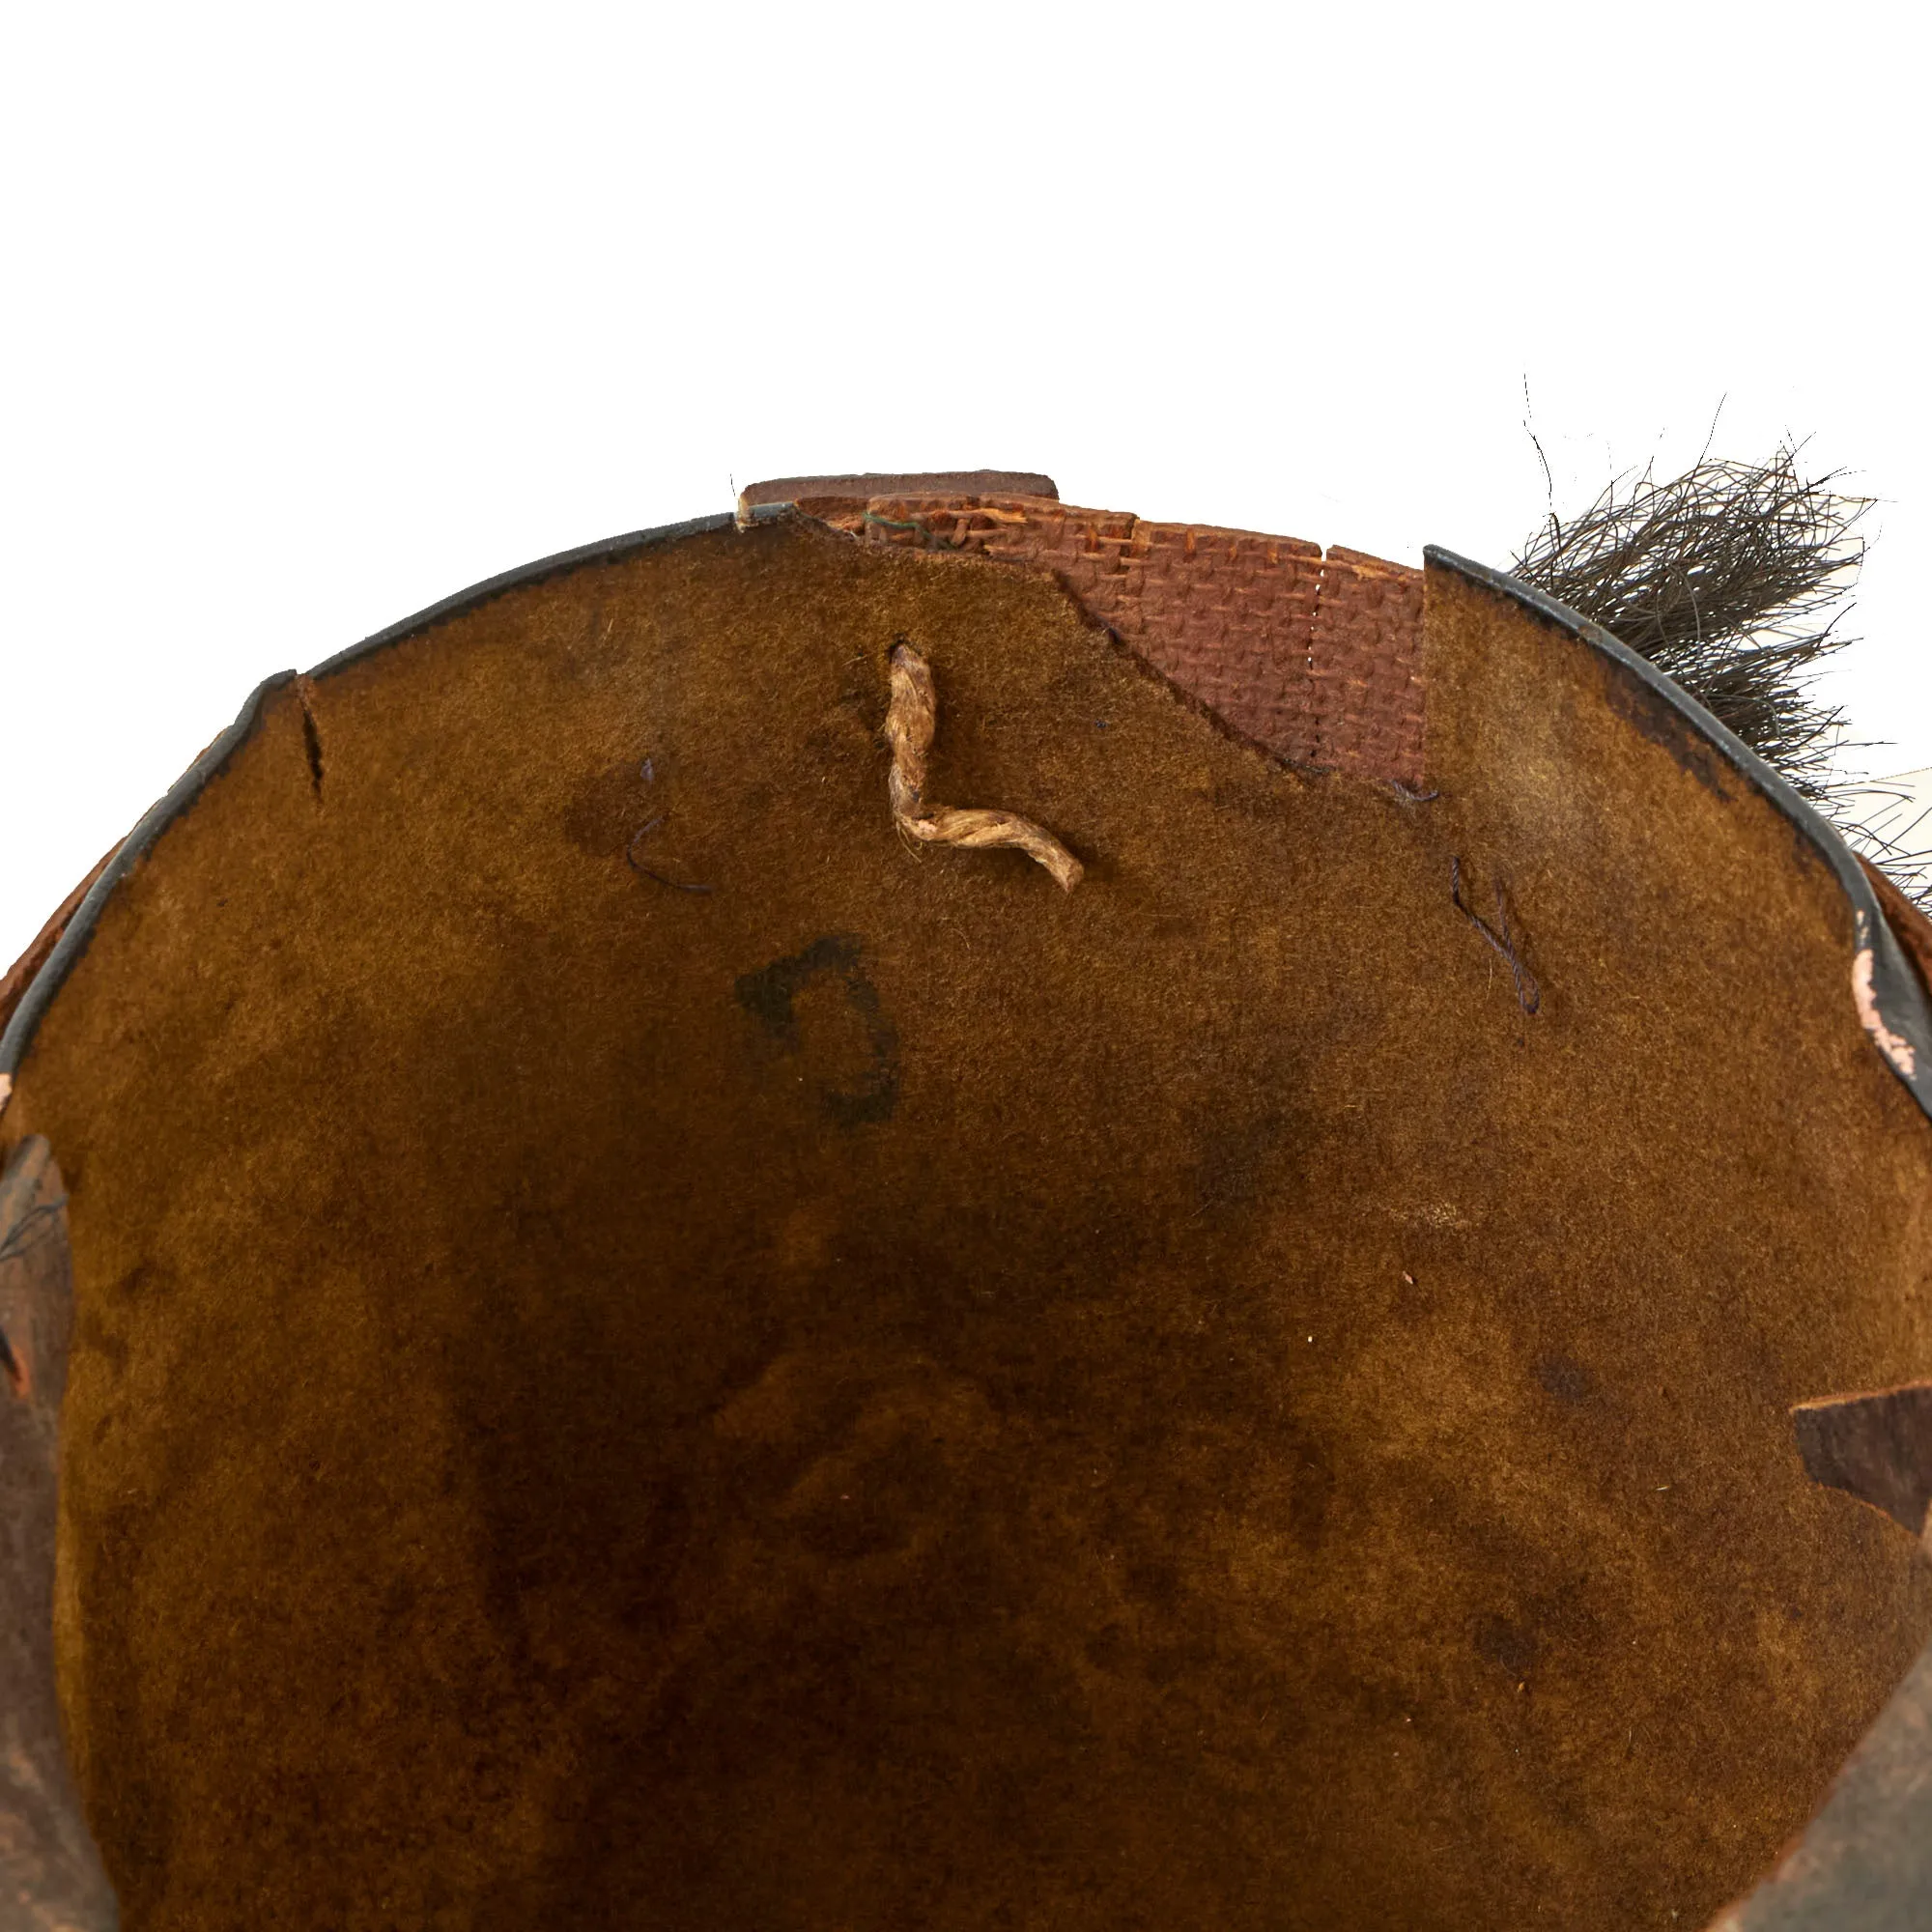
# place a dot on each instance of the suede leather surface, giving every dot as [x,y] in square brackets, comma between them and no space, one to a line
[881,1394]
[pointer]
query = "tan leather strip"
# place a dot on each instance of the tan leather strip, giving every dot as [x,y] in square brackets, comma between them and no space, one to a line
[828,497]
[1318,661]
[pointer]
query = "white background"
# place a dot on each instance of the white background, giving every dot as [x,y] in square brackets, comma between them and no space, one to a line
[313,315]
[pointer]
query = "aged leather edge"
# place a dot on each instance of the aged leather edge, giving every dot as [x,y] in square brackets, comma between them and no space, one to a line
[1875,1445]
[50,1874]
[1908,924]
[20,1033]
[1865,1862]
[39,949]
[1891,1002]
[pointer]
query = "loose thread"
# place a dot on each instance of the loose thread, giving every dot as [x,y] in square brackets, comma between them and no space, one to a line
[647,771]
[1528,994]
[912,717]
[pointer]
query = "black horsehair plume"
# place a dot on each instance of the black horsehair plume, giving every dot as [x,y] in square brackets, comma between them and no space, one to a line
[1734,578]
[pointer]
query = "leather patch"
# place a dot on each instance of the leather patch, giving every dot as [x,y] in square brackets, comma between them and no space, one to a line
[1316,659]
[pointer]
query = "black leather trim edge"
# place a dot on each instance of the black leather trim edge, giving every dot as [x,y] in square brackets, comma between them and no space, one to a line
[1900,1021]
[73,942]
[610,550]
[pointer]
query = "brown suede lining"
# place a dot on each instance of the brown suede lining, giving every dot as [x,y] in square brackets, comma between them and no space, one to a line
[882,1394]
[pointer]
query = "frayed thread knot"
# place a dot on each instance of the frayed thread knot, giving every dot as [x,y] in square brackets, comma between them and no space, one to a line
[912,717]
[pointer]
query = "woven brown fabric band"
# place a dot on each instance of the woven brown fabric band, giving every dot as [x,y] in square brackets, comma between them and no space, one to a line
[1316,659]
